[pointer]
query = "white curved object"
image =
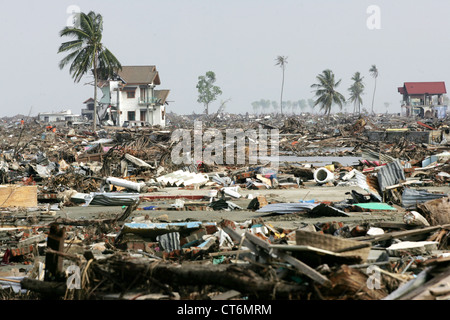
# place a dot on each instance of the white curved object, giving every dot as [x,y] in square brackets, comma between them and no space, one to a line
[323,175]
[125,183]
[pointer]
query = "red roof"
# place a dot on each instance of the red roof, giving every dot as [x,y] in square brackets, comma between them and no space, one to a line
[416,88]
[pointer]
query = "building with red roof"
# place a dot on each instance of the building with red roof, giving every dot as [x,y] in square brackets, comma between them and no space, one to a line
[423,99]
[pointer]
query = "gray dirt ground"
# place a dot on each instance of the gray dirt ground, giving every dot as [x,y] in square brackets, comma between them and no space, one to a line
[311,192]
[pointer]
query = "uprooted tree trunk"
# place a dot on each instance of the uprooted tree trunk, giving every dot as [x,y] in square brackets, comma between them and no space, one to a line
[239,278]
[122,275]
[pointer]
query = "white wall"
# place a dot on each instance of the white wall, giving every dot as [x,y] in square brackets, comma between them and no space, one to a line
[132,104]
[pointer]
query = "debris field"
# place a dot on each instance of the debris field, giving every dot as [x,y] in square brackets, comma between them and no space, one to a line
[357,209]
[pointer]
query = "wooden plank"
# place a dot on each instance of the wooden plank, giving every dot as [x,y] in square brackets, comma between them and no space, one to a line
[302,267]
[18,196]
[238,238]
[54,262]
[228,253]
[400,234]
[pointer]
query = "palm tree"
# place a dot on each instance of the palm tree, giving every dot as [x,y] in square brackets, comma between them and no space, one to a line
[281,61]
[326,91]
[87,52]
[374,73]
[356,90]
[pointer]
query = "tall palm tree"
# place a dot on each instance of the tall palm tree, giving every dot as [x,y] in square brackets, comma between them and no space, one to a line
[326,91]
[356,90]
[87,52]
[281,61]
[374,73]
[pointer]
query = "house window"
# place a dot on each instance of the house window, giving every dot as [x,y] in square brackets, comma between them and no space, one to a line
[131,94]
[131,116]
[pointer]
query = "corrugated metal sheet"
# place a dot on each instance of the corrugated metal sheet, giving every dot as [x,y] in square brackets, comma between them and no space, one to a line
[367,183]
[410,197]
[376,156]
[152,230]
[112,199]
[169,241]
[183,178]
[390,174]
[328,211]
[283,208]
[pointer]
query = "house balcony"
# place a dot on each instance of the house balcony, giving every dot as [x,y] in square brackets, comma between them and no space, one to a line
[147,102]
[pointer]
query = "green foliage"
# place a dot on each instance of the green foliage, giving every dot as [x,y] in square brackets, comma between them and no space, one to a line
[86,52]
[207,91]
[356,90]
[325,91]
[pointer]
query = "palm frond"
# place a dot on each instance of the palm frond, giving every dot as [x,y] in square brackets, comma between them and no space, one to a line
[326,91]
[82,63]
[281,61]
[73,32]
[67,59]
[70,45]
[108,64]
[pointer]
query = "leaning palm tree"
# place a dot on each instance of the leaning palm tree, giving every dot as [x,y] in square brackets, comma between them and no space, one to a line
[326,92]
[374,73]
[87,52]
[356,90]
[281,61]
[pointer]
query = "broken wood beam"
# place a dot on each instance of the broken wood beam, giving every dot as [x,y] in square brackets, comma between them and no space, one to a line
[230,276]
[54,262]
[299,265]
[401,234]
[44,287]
[228,253]
[243,241]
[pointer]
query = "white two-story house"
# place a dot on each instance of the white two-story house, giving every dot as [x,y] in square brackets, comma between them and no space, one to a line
[131,96]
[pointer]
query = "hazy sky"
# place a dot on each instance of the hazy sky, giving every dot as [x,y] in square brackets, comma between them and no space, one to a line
[237,39]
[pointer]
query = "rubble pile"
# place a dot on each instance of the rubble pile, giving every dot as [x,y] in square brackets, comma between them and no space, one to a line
[109,215]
